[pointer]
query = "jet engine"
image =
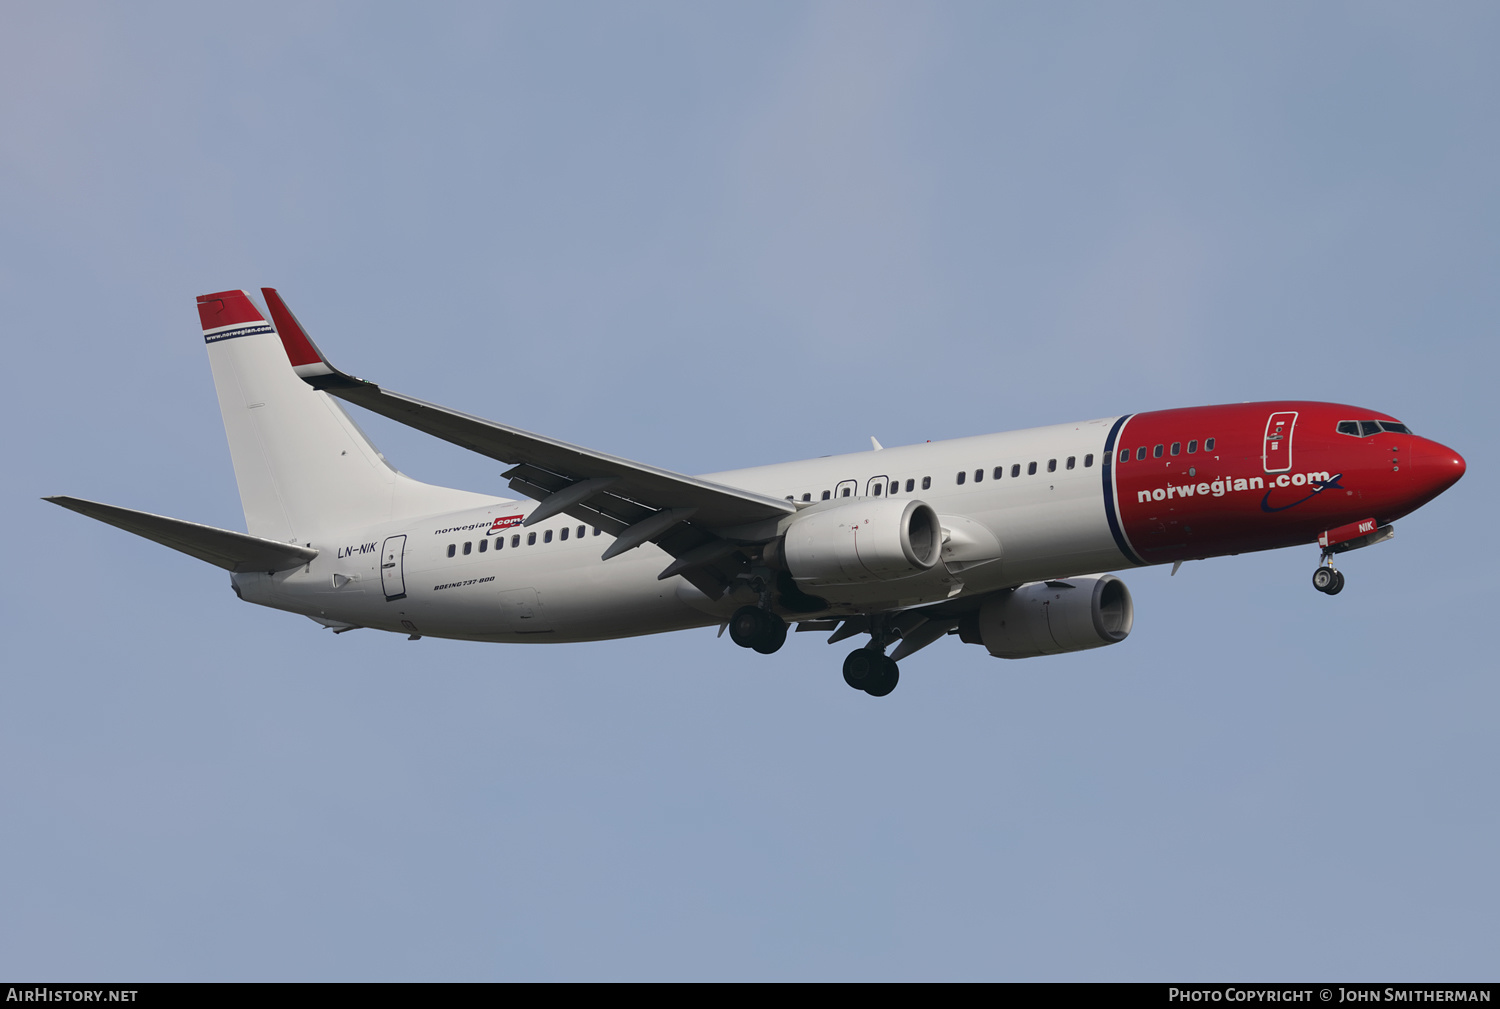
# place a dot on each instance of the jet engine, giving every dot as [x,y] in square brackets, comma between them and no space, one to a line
[868,540]
[1045,618]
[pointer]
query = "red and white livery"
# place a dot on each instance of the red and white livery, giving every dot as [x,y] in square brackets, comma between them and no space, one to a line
[999,539]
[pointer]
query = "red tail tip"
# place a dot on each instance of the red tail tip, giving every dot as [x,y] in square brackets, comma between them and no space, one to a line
[227,308]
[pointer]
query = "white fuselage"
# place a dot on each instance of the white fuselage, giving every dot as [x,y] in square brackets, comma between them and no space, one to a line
[546,582]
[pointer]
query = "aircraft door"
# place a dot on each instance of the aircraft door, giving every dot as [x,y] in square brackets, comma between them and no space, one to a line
[392,571]
[876,485]
[1276,451]
[846,488]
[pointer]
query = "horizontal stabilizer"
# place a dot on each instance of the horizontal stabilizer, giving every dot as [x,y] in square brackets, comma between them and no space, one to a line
[230,550]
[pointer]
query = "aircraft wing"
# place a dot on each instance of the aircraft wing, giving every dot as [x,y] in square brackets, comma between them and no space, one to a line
[634,502]
[229,550]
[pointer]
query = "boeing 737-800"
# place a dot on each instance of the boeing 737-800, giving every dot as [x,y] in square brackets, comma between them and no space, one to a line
[998,539]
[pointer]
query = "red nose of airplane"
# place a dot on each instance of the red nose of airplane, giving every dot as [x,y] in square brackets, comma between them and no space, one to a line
[1440,467]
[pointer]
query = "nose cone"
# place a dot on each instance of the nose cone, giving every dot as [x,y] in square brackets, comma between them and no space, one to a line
[1440,466]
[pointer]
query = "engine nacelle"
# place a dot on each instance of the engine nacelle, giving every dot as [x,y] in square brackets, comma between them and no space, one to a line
[1045,618]
[872,539]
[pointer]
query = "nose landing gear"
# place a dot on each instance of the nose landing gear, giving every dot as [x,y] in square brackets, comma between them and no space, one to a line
[1355,535]
[1328,579]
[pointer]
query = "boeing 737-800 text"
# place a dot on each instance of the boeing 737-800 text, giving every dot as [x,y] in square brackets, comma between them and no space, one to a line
[999,539]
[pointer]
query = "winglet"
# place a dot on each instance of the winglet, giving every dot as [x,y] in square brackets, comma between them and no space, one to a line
[307,360]
[229,314]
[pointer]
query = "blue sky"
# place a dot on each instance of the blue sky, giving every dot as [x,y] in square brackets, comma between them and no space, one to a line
[708,236]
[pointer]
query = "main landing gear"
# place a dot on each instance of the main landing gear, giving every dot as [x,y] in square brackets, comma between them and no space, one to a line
[868,668]
[1328,579]
[871,670]
[753,627]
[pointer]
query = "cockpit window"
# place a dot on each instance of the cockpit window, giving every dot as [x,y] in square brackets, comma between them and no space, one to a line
[1367,428]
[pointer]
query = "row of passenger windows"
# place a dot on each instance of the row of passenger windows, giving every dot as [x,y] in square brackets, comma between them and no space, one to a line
[1015,469]
[515,540]
[846,489]
[1365,428]
[1159,450]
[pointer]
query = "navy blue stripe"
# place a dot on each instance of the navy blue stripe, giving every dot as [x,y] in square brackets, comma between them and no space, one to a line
[1109,492]
[253,329]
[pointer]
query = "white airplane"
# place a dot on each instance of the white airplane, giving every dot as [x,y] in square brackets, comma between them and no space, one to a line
[999,539]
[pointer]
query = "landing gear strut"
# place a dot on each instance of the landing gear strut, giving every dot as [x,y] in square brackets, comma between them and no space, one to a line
[868,668]
[753,627]
[1328,579]
[872,671]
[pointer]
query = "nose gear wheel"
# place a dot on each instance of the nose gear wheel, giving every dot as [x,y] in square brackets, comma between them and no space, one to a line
[1328,580]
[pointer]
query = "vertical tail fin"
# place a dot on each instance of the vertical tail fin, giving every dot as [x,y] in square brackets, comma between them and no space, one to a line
[303,467]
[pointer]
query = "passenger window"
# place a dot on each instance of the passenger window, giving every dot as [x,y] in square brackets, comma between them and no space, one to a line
[1177,448]
[895,486]
[1071,460]
[1124,455]
[1208,446]
[825,495]
[791,497]
[1140,453]
[962,476]
[515,540]
[1192,446]
[1088,460]
[531,539]
[1031,469]
[468,547]
[1349,427]
[484,545]
[452,549]
[927,483]
[878,488]
[1051,465]
[807,497]
[499,542]
[580,531]
[909,485]
[1015,471]
[564,534]
[999,472]
[547,536]
[979,476]
[1156,452]
[847,490]
[597,530]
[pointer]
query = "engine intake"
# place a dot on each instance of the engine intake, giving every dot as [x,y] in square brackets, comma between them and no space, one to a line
[1046,618]
[872,539]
